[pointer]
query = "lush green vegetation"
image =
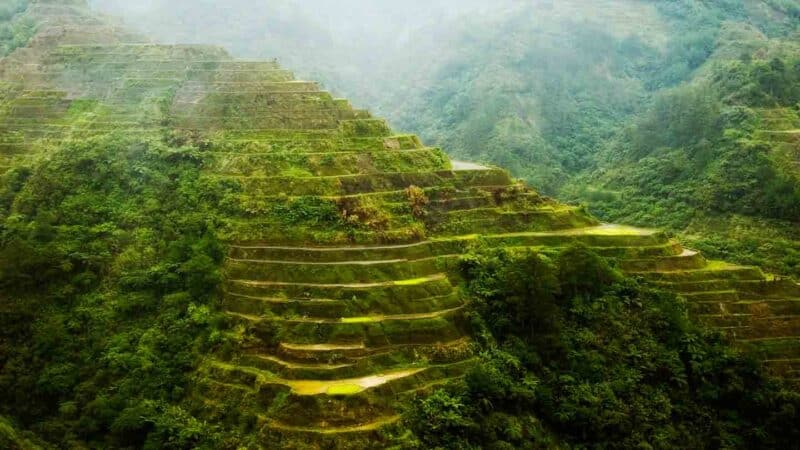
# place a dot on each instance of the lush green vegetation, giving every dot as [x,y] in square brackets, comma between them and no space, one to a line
[709,152]
[542,98]
[109,267]
[646,110]
[576,356]
[14,32]
[11,438]
[652,132]
[114,332]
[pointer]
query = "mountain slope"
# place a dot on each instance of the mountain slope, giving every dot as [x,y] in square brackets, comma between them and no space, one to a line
[191,239]
[724,172]
[537,87]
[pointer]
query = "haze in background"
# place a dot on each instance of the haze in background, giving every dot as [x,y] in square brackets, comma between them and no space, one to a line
[355,47]
[373,52]
[585,100]
[508,82]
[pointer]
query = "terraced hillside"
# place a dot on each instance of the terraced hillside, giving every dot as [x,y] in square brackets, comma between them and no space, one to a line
[781,127]
[343,236]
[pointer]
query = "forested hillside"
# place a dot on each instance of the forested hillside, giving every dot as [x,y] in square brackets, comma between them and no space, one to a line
[558,91]
[543,91]
[717,158]
[198,251]
[14,31]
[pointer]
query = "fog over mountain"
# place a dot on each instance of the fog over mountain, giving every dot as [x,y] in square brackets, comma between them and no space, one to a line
[369,50]
[344,43]
[555,91]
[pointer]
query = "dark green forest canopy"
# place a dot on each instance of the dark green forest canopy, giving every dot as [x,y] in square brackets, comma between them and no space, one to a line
[575,356]
[545,107]
[108,267]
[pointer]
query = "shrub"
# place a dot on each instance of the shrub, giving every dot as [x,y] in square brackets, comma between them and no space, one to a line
[418,201]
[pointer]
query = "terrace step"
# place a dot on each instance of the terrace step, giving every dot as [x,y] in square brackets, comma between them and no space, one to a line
[768,287]
[595,237]
[292,370]
[764,327]
[373,425]
[363,183]
[713,271]
[784,366]
[774,347]
[591,235]
[414,250]
[715,297]
[687,260]
[335,309]
[307,141]
[498,221]
[238,230]
[325,164]
[357,352]
[336,403]
[257,306]
[255,379]
[695,287]
[758,308]
[463,203]
[348,386]
[351,320]
[337,366]
[422,329]
[464,165]
[726,320]
[398,291]
[322,347]
[334,272]
[360,286]
[271,361]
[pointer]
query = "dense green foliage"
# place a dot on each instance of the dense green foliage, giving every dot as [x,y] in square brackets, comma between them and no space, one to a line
[641,108]
[14,32]
[109,271]
[701,153]
[664,136]
[11,438]
[553,94]
[596,361]
[110,247]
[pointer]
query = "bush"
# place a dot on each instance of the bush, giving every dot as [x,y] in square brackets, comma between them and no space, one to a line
[109,250]
[630,370]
